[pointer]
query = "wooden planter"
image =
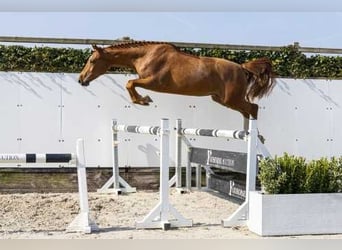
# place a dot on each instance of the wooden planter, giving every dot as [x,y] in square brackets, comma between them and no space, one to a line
[295,214]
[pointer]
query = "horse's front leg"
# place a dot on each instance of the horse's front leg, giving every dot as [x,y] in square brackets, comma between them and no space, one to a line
[135,96]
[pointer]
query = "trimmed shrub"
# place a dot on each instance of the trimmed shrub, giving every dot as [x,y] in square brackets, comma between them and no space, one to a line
[293,175]
[283,175]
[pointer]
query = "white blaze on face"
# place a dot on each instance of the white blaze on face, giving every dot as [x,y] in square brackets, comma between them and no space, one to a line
[91,63]
[87,69]
[91,57]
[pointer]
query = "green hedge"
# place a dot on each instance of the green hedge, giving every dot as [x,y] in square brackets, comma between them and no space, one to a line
[288,62]
[291,175]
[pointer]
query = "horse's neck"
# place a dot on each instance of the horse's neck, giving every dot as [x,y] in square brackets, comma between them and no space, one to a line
[124,56]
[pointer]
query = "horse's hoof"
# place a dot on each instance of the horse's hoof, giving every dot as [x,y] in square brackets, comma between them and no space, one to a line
[262,139]
[144,103]
[147,99]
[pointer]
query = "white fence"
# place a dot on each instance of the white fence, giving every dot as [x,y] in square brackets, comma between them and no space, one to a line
[47,112]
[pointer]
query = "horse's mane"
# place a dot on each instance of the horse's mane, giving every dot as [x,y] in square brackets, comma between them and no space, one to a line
[134,44]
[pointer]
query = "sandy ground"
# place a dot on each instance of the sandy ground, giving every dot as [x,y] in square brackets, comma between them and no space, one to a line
[46,216]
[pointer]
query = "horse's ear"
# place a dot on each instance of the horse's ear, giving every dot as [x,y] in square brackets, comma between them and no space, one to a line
[95,47]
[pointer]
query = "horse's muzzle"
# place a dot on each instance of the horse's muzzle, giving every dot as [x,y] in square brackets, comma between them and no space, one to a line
[83,83]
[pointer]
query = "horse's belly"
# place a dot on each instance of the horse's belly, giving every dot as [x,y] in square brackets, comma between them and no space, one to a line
[189,88]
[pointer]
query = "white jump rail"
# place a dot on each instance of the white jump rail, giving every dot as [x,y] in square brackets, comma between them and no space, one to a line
[82,222]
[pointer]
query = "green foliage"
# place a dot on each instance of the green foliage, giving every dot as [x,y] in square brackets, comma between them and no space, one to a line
[287,62]
[323,176]
[271,176]
[283,175]
[291,175]
[42,59]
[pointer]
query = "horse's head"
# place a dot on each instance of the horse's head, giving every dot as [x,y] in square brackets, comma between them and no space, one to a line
[96,65]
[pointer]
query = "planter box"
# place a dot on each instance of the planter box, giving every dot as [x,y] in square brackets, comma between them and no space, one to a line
[295,214]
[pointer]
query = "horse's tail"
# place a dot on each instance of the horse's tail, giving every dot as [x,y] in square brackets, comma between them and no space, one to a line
[260,77]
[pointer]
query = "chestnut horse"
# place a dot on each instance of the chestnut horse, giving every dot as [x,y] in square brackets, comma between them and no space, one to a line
[162,67]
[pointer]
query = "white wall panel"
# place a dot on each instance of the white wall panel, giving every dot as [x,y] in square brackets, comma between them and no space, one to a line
[307,123]
[295,118]
[277,116]
[10,133]
[335,110]
[40,112]
[84,116]
[50,111]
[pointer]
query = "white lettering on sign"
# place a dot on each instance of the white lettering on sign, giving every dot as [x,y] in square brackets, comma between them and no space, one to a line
[9,157]
[215,160]
[221,161]
[236,190]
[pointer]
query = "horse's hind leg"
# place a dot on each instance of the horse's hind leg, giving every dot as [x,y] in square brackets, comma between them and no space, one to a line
[245,108]
[249,111]
[135,96]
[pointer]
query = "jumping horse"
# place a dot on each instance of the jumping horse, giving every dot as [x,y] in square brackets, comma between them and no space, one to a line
[162,67]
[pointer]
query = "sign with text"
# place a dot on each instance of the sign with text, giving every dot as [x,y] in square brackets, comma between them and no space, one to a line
[233,161]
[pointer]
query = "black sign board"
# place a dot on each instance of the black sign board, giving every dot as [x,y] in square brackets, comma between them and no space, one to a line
[232,161]
[231,187]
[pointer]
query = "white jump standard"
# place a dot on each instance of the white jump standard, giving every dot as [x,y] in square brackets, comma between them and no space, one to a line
[117,183]
[160,216]
[180,137]
[254,147]
[82,222]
